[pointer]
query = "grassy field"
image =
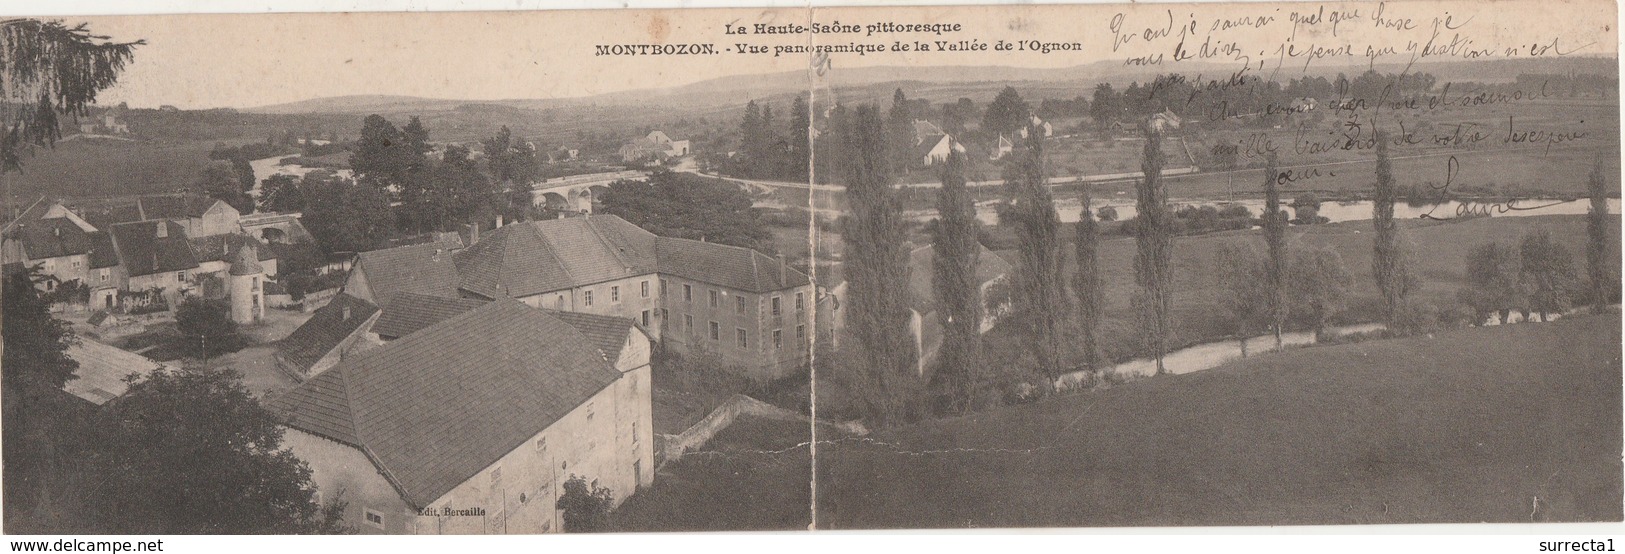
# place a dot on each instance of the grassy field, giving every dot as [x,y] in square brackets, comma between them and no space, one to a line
[1472,425]
[1504,424]
[1440,250]
[108,167]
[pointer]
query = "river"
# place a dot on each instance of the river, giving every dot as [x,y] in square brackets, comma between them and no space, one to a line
[1068,209]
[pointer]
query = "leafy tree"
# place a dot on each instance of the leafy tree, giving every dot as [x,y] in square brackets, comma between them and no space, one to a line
[281,193]
[220,180]
[346,217]
[800,155]
[1155,241]
[1307,207]
[1243,273]
[237,478]
[1104,108]
[206,326]
[585,505]
[1388,262]
[1007,114]
[1493,286]
[1319,283]
[959,308]
[51,69]
[900,133]
[36,366]
[1039,297]
[416,137]
[885,383]
[1598,269]
[512,162]
[1089,283]
[1547,273]
[685,205]
[385,156]
[1275,244]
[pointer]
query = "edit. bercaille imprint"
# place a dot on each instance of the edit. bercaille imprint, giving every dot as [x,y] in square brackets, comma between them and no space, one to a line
[1007,266]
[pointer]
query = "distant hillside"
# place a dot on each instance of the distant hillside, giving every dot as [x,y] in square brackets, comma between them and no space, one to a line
[362,103]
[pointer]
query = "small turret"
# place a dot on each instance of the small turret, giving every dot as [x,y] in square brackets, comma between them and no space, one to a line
[247,290]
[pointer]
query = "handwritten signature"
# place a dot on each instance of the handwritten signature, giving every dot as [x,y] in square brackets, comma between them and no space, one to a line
[1473,208]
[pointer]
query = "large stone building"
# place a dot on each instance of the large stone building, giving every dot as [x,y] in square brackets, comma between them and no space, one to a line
[750,310]
[473,423]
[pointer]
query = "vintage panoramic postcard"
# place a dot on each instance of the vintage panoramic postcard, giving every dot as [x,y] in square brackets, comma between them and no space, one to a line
[833,268]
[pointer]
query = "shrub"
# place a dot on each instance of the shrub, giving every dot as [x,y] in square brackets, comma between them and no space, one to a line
[585,505]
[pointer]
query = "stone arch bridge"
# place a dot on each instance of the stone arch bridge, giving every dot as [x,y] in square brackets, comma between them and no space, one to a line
[575,193]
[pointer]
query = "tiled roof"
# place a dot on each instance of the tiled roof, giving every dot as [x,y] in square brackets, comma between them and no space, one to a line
[320,406]
[325,330]
[246,262]
[102,369]
[144,253]
[541,256]
[52,238]
[436,407]
[407,313]
[222,247]
[923,128]
[102,253]
[420,268]
[922,292]
[734,267]
[534,257]
[175,207]
[927,144]
[608,333]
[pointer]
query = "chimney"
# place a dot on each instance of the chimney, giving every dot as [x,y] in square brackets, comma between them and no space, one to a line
[473,233]
[163,230]
[499,221]
[784,275]
[345,314]
[56,231]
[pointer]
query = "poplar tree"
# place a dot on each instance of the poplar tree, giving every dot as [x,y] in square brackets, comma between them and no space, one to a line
[900,132]
[1388,262]
[1089,283]
[959,305]
[1155,248]
[1275,244]
[884,379]
[1039,298]
[1598,269]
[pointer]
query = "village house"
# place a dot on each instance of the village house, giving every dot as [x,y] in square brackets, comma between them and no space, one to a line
[1001,149]
[99,378]
[108,122]
[750,310]
[1044,126]
[474,423]
[991,273]
[655,146]
[932,145]
[131,260]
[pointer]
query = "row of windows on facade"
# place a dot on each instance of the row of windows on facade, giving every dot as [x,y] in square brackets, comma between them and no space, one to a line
[742,306]
[375,518]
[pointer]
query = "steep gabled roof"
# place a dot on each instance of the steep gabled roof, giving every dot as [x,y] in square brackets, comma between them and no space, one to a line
[143,252]
[541,256]
[223,247]
[102,368]
[175,207]
[102,252]
[607,333]
[734,267]
[52,238]
[420,268]
[325,330]
[438,406]
[408,313]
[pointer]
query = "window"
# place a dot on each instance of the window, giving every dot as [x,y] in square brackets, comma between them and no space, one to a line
[801,301]
[801,333]
[778,339]
[374,517]
[715,299]
[180,275]
[645,318]
[716,331]
[541,444]
[589,410]
[688,293]
[586,298]
[688,324]
[662,287]
[739,304]
[643,289]
[740,334]
[634,432]
[775,305]
[104,276]
[496,476]
[614,294]
[77,264]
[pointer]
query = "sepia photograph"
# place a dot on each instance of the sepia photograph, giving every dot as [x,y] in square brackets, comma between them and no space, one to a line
[820,268]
